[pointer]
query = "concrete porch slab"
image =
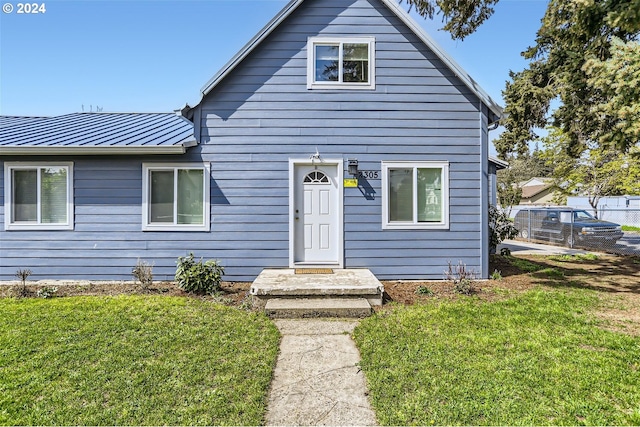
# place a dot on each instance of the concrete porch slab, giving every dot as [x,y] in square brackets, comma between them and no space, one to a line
[352,282]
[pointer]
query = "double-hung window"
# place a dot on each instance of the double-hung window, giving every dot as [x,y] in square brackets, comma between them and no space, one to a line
[341,63]
[176,197]
[415,195]
[38,196]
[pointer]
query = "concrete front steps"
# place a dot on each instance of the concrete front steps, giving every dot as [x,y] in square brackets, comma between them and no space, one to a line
[298,293]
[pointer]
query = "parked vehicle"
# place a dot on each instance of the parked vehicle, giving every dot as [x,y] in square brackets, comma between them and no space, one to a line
[573,227]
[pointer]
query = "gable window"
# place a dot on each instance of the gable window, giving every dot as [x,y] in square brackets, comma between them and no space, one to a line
[38,196]
[345,63]
[415,195]
[176,197]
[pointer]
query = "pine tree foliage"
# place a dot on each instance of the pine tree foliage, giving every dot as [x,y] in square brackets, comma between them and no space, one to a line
[461,17]
[575,53]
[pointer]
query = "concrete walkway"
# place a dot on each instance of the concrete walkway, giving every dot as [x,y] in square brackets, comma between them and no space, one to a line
[316,380]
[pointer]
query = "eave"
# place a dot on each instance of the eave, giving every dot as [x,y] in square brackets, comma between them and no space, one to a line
[91,151]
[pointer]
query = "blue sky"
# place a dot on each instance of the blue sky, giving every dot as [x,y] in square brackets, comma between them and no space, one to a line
[154,56]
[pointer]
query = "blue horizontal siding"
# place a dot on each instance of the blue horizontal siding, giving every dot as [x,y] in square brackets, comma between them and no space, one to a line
[256,120]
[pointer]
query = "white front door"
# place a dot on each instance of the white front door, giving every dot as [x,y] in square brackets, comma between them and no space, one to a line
[316,214]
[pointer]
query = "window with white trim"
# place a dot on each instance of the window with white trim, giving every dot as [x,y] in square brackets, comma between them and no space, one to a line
[341,63]
[38,196]
[415,195]
[176,197]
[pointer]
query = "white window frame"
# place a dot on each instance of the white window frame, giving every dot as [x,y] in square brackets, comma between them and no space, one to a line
[414,224]
[9,224]
[312,42]
[147,168]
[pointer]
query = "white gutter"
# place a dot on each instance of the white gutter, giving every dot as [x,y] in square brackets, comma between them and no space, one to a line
[85,151]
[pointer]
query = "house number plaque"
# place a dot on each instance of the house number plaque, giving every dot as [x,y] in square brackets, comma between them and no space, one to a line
[368,174]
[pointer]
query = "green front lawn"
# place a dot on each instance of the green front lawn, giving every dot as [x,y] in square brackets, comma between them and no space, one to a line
[133,360]
[534,359]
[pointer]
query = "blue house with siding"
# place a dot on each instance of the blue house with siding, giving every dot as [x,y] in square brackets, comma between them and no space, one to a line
[340,136]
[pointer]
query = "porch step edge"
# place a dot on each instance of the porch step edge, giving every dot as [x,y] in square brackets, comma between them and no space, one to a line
[317,307]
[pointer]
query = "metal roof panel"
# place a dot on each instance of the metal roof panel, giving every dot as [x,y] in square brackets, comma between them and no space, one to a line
[101,132]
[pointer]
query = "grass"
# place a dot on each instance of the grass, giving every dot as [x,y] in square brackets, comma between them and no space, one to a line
[524,265]
[133,361]
[550,273]
[630,228]
[573,258]
[534,359]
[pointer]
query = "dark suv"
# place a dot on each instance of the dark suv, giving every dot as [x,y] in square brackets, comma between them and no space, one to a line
[570,226]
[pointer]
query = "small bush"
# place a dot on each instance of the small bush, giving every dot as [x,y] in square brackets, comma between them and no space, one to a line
[464,287]
[198,277]
[143,273]
[461,277]
[496,275]
[505,252]
[423,290]
[47,292]
[500,228]
[23,275]
[247,303]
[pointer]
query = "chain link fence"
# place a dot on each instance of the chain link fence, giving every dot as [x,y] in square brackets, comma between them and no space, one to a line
[615,231]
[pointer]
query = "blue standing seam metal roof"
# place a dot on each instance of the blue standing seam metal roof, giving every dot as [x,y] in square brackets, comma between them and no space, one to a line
[97,133]
[17,120]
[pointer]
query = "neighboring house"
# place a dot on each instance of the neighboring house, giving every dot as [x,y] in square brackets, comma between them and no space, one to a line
[537,191]
[329,92]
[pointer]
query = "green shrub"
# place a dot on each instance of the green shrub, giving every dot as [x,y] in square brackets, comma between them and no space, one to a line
[423,290]
[198,277]
[47,292]
[500,228]
[461,277]
[496,275]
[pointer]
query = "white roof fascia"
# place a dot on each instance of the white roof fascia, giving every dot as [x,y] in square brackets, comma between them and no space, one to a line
[499,162]
[36,151]
[400,13]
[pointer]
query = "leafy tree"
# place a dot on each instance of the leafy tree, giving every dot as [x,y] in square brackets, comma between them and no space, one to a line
[509,193]
[599,171]
[521,168]
[461,17]
[617,80]
[570,63]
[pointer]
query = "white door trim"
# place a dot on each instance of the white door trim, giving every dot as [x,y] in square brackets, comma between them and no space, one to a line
[339,164]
